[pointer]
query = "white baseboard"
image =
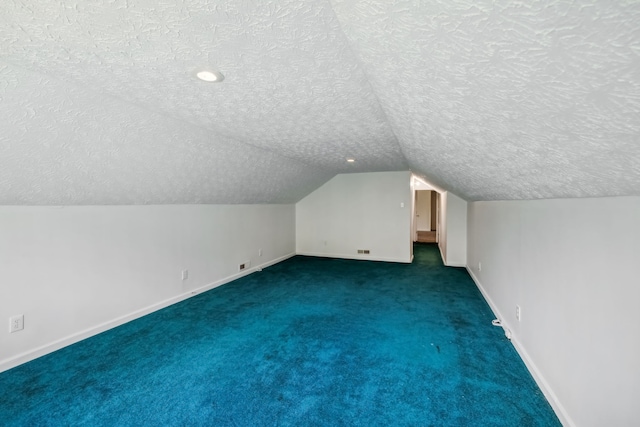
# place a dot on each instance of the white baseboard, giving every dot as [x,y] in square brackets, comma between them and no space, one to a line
[558,408]
[444,258]
[456,264]
[450,264]
[79,336]
[355,257]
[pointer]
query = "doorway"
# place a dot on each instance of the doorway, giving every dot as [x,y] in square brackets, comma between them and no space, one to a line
[426,212]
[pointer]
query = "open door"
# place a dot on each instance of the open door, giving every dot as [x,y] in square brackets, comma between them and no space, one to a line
[425,223]
[425,216]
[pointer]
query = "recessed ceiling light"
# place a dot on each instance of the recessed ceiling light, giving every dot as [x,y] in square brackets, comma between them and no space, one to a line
[351,160]
[210,76]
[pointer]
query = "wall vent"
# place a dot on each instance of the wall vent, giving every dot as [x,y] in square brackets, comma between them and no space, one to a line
[364,251]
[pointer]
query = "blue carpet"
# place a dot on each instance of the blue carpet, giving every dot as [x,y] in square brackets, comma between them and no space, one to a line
[309,341]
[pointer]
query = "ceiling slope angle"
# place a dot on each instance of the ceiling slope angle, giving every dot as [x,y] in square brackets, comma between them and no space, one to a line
[507,100]
[62,144]
[293,90]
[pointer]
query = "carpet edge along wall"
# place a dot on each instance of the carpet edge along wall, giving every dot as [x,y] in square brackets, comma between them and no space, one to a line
[308,341]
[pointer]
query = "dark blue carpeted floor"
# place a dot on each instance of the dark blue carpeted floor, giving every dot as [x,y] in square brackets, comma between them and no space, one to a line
[309,341]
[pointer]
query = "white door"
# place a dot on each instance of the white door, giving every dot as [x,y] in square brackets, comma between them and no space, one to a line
[423,210]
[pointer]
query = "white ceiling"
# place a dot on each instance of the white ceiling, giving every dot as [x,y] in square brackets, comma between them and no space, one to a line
[488,99]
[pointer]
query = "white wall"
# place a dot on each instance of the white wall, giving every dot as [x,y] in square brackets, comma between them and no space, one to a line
[572,266]
[413,183]
[358,211]
[452,239]
[75,271]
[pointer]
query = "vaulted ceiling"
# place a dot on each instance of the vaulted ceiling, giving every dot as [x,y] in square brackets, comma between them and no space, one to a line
[489,99]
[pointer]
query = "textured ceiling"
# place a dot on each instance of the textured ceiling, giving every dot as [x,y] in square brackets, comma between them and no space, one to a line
[508,99]
[488,99]
[61,144]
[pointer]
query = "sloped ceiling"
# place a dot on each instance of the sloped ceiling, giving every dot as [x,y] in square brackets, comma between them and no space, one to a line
[488,99]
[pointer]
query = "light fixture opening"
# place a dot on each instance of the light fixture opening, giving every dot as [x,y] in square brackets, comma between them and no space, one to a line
[351,160]
[210,76]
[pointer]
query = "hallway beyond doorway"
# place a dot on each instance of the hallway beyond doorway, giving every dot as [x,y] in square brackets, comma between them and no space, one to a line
[426,237]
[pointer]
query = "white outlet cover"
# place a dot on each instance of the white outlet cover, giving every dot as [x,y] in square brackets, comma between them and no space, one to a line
[16,323]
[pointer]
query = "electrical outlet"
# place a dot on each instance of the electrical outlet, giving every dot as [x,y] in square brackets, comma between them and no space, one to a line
[479,266]
[259,252]
[244,265]
[185,274]
[16,323]
[518,312]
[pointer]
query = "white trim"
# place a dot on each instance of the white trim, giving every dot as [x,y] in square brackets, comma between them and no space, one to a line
[450,264]
[110,324]
[354,257]
[553,400]
[456,264]
[444,258]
